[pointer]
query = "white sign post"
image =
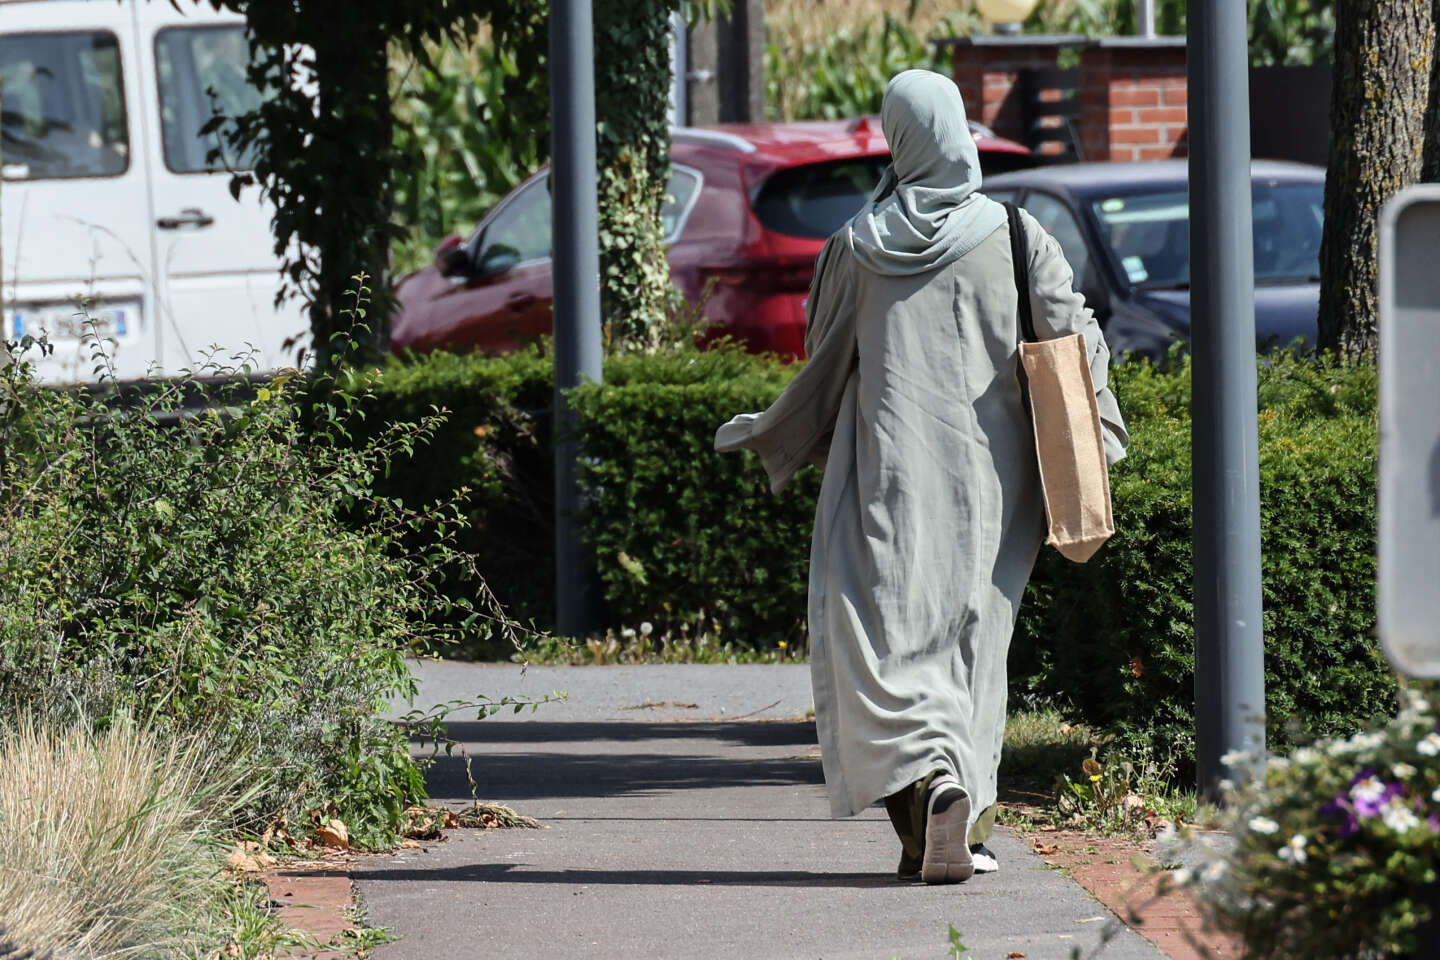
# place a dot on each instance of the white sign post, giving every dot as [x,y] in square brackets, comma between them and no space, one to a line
[1409,559]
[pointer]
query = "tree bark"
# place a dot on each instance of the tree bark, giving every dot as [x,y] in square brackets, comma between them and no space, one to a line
[1430,167]
[1384,52]
[354,198]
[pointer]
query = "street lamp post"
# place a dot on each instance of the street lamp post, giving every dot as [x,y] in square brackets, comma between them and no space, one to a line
[576,278]
[1229,642]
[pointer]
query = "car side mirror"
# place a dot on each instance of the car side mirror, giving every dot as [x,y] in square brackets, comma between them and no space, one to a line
[497,258]
[451,258]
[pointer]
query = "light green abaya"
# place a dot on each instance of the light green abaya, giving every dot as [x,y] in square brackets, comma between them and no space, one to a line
[929,518]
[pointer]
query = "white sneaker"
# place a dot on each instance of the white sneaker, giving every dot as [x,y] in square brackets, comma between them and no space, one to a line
[983,858]
[947,825]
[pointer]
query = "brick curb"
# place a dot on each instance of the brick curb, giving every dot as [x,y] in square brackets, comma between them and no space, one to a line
[1106,867]
[316,900]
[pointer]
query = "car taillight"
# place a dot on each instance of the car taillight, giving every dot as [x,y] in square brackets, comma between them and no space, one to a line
[769,276]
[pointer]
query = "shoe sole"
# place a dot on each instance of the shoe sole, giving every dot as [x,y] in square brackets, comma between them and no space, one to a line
[947,847]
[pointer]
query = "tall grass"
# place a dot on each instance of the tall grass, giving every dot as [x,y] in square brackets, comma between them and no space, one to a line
[106,844]
[807,22]
[835,59]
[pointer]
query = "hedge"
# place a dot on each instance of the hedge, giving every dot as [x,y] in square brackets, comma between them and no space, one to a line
[683,535]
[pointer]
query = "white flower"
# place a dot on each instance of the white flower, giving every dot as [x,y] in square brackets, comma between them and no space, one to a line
[1436,795]
[1235,758]
[1398,817]
[1306,755]
[647,628]
[628,633]
[1367,741]
[1294,850]
[1227,786]
[1264,825]
[1403,770]
[1182,876]
[1430,745]
[1279,763]
[1214,871]
[1370,789]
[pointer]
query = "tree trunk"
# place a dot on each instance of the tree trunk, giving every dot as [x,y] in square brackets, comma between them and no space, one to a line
[353,202]
[1430,167]
[1383,61]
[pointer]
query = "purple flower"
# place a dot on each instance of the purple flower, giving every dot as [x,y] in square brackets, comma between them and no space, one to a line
[1370,794]
[1340,807]
[1433,822]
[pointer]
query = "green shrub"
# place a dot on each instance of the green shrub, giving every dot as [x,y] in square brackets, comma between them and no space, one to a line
[491,454]
[686,537]
[1115,637]
[683,535]
[228,573]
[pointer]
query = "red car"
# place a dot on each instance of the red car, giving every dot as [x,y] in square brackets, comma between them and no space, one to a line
[749,208]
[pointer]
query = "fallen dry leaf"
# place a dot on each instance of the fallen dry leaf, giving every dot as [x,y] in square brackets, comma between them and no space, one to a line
[1013,955]
[334,834]
[242,862]
[1046,849]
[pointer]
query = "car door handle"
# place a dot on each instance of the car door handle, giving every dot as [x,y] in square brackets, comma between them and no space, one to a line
[519,301]
[189,217]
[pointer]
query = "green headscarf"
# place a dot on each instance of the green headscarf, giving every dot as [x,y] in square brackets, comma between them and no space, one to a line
[926,212]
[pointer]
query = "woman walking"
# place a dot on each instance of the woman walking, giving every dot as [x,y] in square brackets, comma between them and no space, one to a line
[930,513]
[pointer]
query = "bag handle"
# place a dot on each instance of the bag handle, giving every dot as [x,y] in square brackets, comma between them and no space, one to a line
[1022,271]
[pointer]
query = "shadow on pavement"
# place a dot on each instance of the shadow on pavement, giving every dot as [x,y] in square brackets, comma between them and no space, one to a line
[747,733]
[526,776]
[508,873]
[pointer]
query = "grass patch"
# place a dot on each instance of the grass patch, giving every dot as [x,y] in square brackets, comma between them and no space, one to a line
[628,645]
[1057,773]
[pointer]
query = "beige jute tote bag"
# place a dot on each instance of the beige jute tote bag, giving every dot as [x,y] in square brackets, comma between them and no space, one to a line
[1074,474]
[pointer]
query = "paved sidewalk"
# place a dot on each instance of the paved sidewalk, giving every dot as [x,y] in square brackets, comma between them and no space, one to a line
[700,839]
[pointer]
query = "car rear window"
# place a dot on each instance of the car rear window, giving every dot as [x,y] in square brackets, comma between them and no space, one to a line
[815,200]
[64,109]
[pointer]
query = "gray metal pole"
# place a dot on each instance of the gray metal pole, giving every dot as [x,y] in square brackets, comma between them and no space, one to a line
[576,273]
[1145,18]
[679,70]
[1229,643]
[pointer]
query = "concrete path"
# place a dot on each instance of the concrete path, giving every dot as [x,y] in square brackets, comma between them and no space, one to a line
[674,834]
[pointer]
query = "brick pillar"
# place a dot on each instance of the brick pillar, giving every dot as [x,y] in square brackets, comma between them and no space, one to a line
[987,70]
[1133,100]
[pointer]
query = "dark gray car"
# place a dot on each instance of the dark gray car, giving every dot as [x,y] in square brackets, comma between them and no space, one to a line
[1124,227]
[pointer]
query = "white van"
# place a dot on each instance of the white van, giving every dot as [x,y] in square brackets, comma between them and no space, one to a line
[108,195]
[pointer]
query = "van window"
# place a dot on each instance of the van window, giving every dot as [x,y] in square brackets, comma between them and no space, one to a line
[201,73]
[64,106]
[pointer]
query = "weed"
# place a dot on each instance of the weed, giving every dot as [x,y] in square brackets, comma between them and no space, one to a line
[1124,794]
[957,947]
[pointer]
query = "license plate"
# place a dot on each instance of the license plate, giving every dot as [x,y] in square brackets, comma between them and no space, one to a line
[65,321]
